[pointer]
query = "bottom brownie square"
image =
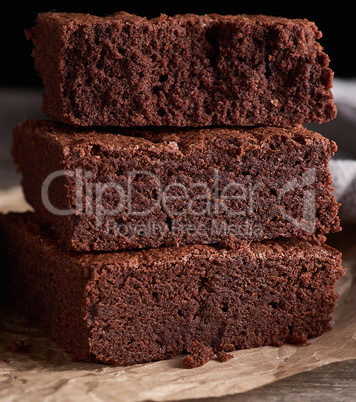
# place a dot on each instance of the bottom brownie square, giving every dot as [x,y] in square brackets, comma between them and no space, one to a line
[138,306]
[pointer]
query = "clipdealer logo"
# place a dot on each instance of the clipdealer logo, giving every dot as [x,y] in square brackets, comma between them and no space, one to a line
[308,202]
[178,199]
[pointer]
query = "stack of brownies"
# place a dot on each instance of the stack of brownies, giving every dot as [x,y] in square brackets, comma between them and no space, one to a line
[179,204]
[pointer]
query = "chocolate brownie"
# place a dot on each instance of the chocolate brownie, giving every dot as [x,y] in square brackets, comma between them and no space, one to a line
[187,70]
[148,188]
[138,306]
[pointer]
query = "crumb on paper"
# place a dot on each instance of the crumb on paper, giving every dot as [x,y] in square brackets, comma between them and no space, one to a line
[198,355]
[297,339]
[223,356]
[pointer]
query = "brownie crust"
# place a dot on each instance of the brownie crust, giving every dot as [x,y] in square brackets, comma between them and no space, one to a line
[133,307]
[149,188]
[186,70]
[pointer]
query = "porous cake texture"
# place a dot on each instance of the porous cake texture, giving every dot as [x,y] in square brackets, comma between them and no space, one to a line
[187,70]
[102,190]
[133,307]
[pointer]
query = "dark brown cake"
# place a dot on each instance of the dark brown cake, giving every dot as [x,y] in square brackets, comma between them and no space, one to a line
[138,306]
[140,188]
[186,70]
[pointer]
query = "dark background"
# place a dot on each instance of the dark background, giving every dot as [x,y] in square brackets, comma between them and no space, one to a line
[335,21]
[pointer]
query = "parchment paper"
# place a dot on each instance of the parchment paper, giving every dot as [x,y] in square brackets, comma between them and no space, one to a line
[42,371]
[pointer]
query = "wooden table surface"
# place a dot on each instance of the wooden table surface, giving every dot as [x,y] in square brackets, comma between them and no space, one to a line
[334,382]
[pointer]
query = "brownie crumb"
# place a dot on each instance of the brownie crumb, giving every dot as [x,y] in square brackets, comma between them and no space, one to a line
[199,354]
[223,356]
[15,346]
[277,344]
[298,339]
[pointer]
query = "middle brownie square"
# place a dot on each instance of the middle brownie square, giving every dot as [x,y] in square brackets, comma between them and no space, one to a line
[140,188]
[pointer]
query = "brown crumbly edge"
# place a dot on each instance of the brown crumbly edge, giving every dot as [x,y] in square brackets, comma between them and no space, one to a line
[60,313]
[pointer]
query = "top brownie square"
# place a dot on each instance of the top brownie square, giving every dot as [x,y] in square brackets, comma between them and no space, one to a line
[186,70]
